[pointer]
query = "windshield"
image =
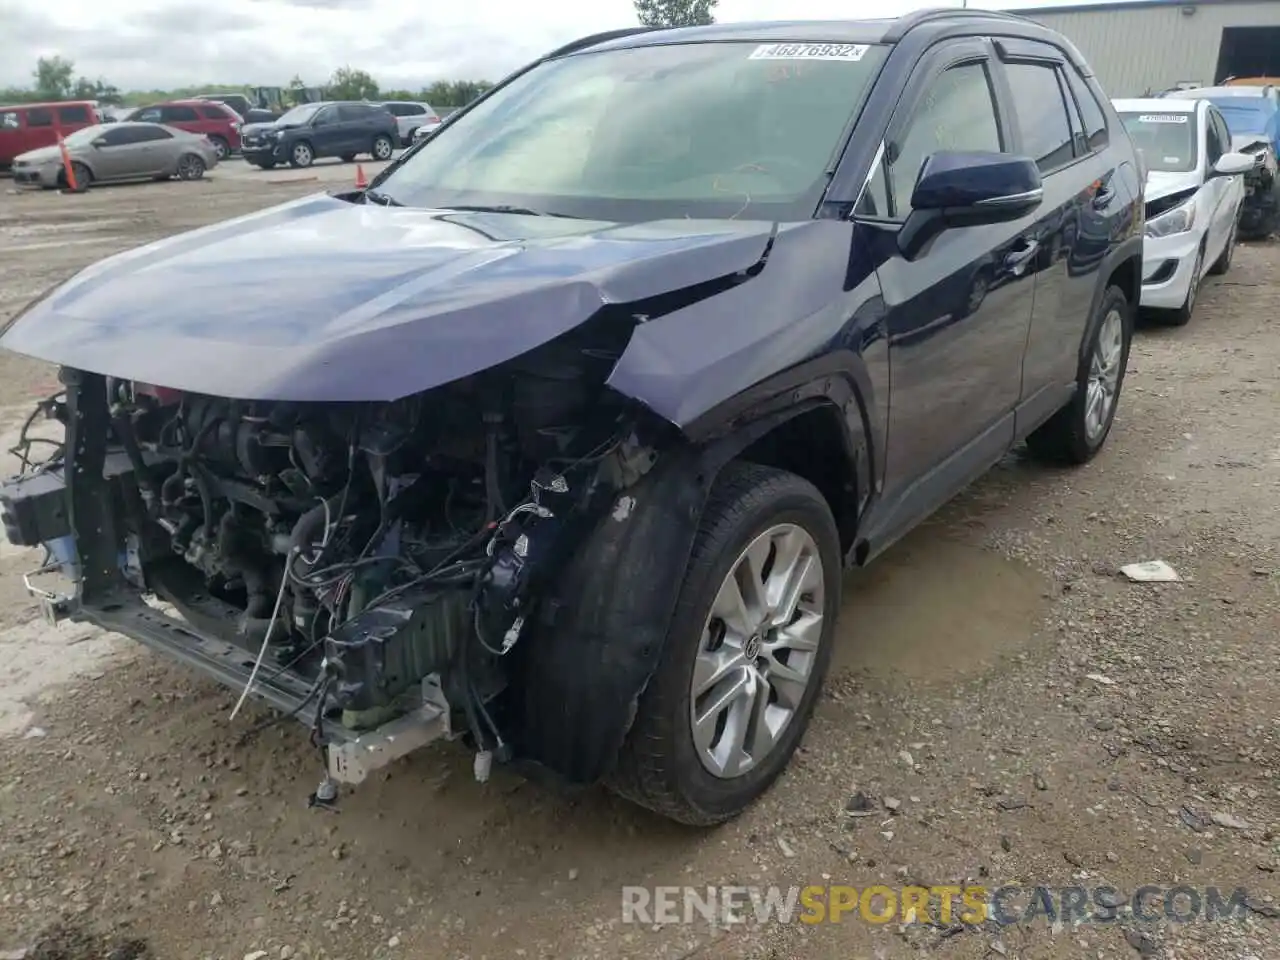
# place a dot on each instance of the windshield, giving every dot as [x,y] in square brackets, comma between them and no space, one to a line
[1245,114]
[1167,140]
[300,115]
[705,130]
[85,135]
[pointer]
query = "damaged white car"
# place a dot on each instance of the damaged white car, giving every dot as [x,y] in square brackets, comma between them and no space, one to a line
[1194,192]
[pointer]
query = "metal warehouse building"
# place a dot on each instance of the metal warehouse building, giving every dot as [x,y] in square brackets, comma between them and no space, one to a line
[1144,46]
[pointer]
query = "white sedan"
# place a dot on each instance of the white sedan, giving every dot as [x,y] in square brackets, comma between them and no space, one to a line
[1194,190]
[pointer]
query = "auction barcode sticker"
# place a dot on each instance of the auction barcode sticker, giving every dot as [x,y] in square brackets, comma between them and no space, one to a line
[1163,118]
[851,52]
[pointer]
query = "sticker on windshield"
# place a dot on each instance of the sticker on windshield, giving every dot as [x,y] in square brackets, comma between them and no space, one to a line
[1163,118]
[851,52]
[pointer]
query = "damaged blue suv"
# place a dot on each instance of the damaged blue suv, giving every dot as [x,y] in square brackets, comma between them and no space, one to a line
[558,438]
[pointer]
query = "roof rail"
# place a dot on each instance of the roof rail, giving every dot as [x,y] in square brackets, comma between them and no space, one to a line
[590,41]
[910,21]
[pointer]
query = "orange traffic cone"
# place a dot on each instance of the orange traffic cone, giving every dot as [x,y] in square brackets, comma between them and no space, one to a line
[67,167]
[361,182]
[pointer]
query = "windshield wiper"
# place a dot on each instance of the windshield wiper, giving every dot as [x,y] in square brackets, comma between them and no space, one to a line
[508,208]
[381,198]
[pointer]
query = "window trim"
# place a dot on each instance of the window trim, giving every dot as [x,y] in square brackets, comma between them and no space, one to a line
[1055,64]
[1068,69]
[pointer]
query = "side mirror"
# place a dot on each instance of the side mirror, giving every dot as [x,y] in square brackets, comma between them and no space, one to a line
[99,143]
[968,189]
[1232,164]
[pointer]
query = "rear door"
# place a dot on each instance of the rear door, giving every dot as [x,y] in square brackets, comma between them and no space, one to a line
[183,117]
[1081,217]
[40,129]
[73,117]
[957,315]
[360,125]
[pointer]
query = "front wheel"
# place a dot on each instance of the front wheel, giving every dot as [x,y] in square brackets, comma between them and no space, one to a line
[1077,432]
[746,652]
[1182,316]
[383,148]
[190,167]
[82,175]
[301,155]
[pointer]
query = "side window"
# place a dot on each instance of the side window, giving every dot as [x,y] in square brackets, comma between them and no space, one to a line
[148,134]
[1215,143]
[10,120]
[957,112]
[39,117]
[412,110]
[214,113]
[1095,120]
[119,136]
[73,115]
[1221,122]
[396,109]
[349,111]
[149,115]
[325,116]
[1041,113]
[179,115]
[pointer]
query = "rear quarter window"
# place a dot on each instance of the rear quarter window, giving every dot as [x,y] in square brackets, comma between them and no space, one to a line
[214,113]
[73,115]
[10,120]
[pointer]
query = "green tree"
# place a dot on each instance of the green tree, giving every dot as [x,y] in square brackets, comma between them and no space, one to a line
[349,84]
[53,76]
[105,93]
[676,13]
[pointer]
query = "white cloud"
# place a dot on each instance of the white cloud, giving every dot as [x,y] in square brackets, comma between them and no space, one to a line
[145,44]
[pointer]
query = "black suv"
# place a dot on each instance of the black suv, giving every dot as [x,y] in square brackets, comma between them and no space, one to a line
[314,130]
[560,436]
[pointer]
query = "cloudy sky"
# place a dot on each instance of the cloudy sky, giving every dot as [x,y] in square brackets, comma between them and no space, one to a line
[146,44]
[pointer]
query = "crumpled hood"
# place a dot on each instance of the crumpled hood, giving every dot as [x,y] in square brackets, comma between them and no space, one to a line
[1161,183]
[321,299]
[42,155]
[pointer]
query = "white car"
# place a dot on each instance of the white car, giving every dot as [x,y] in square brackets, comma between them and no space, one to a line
[411,117]
[1194,190]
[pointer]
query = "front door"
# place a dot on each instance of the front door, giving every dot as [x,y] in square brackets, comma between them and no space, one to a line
[957,315]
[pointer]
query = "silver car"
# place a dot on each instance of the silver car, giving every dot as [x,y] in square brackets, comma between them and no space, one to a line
[412,118]
[109,152]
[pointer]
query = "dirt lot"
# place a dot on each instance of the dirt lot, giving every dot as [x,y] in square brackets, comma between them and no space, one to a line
[1033,718]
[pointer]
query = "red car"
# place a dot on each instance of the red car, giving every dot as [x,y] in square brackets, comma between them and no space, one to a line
[216,121]
[30,126]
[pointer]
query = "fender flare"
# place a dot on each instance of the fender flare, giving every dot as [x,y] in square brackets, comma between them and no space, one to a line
[600,636]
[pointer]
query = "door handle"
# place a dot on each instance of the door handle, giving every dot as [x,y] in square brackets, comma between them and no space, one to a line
[1102,199]
[1017,261]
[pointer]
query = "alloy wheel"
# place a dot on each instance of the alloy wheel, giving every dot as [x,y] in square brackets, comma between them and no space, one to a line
[1104,374]
[758,650]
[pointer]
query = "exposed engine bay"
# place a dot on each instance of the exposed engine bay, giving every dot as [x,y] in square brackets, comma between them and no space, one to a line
[382,553]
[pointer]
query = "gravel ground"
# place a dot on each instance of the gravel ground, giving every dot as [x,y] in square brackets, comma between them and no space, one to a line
[1004,709]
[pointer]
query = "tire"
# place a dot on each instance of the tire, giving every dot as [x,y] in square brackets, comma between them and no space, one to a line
[222,147]
[190,167]
[265,165]
[660,767]
[1066,437]
[347,157]
[83,176]
[301,154]
[383,148]
[1223,263]
[1182,316]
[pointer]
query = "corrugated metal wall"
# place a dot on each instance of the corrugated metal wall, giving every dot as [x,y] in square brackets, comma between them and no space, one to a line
[1132,49]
